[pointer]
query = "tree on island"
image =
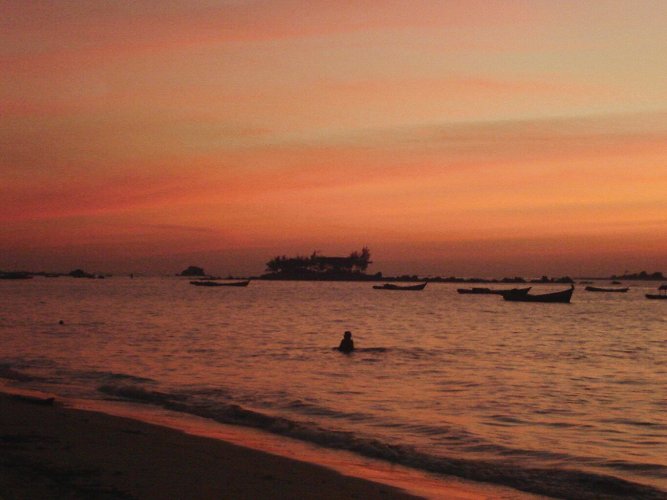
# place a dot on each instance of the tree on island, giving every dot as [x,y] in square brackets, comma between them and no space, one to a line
[193,271]
[643,275]
[321,265]
[546,279]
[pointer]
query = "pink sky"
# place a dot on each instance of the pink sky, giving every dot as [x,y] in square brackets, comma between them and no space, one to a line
[452,138]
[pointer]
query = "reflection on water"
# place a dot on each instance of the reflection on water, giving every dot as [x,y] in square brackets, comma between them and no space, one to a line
[436,375]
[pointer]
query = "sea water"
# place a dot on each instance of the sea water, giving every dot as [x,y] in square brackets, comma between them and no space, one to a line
[556,399]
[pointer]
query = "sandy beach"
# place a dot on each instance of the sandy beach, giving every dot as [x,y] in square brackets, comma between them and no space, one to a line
[48,451]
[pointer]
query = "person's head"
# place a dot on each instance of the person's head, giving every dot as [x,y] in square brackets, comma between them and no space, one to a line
[348,335]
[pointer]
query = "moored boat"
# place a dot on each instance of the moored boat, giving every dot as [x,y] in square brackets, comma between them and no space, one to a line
[562,297]
[475,290]
[661,295]
[491,291]
[217,283]
[391,286]
[601,289]
[515,291]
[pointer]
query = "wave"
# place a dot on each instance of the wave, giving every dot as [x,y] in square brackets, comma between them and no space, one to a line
[555,482]
[107,375]
[316,410]
[367,350]
[372,349]
[134,393]
[9,373]
[636,423]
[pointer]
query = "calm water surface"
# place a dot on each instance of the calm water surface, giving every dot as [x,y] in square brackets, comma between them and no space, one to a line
[549,398]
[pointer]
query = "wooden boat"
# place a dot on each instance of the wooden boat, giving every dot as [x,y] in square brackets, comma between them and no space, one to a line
[391,286]
[491,291]
[661,295]
[475,290]
[562,297]
[514,291]
[217,283]
[599,289]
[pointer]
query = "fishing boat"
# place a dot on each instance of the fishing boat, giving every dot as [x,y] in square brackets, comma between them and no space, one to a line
[217,283]
[475,290]
[491,291]
[391,286]
[661,295]
[514,291]
[562,296]
[600,289]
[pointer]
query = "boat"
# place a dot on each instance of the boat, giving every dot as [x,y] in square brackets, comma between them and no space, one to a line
[599,289]
[562,296]
[491,291]
[514,291]
[217,283]
[475,290]
[661,295]
[391,286]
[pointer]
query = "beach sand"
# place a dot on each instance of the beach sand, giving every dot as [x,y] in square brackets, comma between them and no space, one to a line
[50,451]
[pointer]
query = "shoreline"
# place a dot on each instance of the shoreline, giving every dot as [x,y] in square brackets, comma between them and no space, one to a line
[50,449]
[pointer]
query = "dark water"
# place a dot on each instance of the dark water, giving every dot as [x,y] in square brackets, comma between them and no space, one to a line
[562,400]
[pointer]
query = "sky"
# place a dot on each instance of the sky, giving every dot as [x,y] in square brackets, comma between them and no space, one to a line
[477,138]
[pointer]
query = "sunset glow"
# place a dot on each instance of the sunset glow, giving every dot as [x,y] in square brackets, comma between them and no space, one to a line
[479,138]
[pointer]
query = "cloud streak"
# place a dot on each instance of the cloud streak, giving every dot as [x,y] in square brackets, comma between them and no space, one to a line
[282,124]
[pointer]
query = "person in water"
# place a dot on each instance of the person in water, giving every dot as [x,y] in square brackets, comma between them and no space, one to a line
[347,344]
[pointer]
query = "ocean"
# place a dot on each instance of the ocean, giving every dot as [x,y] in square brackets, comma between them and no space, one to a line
[555,399]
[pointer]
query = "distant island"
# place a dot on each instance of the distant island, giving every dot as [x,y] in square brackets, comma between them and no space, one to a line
[321,267]
[15,275]
[192,271]
[80,273]
[642,276]
[317,267]
[353,267]
[76,273]
[197,272]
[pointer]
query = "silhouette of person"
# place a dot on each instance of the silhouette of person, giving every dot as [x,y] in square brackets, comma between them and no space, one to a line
[347,344]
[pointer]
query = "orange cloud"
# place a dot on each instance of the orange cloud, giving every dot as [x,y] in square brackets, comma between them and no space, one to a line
[280,124]
[72,33]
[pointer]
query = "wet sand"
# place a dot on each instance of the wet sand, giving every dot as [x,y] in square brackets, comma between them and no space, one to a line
[48,451]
